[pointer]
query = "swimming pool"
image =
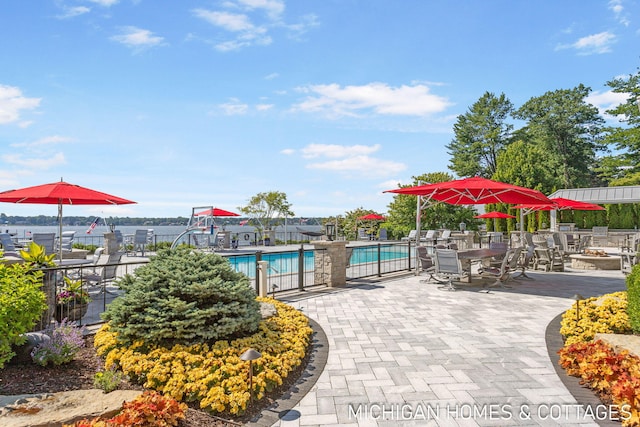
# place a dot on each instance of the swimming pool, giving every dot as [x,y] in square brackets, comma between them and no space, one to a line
[287,262]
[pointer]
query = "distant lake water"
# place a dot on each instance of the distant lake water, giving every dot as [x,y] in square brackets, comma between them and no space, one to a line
[162,232]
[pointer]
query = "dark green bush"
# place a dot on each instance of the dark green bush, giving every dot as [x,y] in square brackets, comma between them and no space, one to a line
[154,247]
[633,298]
[184,297]
[21,305]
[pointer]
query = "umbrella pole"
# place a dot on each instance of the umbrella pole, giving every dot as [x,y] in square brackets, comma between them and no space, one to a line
[60,231]
[418,225]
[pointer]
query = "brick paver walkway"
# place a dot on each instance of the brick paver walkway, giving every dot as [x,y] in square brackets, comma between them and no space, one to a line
[405,352]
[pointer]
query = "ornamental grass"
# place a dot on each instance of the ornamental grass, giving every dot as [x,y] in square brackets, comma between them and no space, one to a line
[212,373]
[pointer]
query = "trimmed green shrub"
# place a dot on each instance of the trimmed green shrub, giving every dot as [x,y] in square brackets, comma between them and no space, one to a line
[21,305]
[633,298]
[184,297]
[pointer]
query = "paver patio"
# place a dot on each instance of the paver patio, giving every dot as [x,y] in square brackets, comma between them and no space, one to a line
[404,352]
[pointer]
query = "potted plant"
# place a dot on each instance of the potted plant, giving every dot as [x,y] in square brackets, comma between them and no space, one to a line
[72,302]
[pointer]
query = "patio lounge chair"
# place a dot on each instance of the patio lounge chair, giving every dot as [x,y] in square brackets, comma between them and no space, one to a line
[444,238]
[8,247]
[411,237]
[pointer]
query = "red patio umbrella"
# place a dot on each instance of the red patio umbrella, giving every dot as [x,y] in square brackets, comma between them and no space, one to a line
[475,191]
[560,204]
[494,215]
[216,212]
[61,193]
[371,217]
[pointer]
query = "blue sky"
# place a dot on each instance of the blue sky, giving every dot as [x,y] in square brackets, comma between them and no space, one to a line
[176,104]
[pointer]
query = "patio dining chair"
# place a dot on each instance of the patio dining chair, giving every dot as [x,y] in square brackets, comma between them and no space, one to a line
[68,237]
[426,263]
[503,273]
[140,240]
[524,262]
[107,273]
[48,240]
[448,268]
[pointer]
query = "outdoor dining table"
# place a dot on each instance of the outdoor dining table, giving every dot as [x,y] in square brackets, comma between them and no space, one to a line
[468,256]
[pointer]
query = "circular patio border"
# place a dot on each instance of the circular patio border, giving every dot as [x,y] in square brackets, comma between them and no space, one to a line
[583,395]
[282,408]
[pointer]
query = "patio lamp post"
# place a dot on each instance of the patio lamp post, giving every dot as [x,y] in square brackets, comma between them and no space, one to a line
[250,355]
[330,230]
[578,298]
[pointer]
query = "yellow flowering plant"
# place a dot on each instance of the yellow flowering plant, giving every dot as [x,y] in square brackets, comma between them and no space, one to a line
[213,374]
[605,314]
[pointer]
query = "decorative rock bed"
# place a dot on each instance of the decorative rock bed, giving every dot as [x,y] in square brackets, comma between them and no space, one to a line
[586,262]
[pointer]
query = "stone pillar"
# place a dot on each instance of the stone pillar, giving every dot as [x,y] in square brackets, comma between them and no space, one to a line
[110,243]
[262,281]
[330,262]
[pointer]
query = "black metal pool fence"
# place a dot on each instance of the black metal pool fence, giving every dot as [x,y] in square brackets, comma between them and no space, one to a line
[285,271]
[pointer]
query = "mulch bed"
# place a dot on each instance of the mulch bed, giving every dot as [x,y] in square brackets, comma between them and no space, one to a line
[29,378]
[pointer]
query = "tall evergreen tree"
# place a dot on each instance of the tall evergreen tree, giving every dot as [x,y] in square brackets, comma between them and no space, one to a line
[624,168]
[480,134]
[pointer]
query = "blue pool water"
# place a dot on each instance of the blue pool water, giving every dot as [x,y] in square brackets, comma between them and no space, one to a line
[287,262]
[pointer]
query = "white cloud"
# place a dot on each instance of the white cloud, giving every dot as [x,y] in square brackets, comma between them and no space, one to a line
[595,43]
[48,140]
[618,11]
[264,107]
[72,12]
[390,184]
[379,98]
[105,3]
[334,150]
[228,21]
[287,151]
[246,33]
[271,76]
[273,8]
[234,107]
[362,165]
[137,38]
[607,101]
[12,103]
[350,159]
[248,22]
[35,163]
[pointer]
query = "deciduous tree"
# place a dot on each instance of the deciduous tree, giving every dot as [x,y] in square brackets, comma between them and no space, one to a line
[267,209]
[570,128]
